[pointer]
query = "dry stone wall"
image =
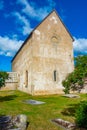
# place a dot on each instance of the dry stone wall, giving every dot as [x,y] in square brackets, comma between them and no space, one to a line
[12,82]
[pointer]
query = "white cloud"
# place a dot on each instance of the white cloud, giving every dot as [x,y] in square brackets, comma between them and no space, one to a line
[26,29]
[1,5]
[80,45]
[33,10]
[8,54]
[8,47]
[2,53]
[28,11]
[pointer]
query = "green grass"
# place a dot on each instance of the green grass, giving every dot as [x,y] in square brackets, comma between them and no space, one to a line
[39,116]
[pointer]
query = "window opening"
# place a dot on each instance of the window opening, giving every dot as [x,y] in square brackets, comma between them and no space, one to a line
[55,74]
[26,78]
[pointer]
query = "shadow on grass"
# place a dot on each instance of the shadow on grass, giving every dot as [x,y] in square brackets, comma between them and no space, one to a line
[1,115]
[71,109]
[7,98]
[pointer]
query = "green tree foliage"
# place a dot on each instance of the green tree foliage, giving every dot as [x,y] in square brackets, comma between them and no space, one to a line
[3,77]
[81,116]
[75,80]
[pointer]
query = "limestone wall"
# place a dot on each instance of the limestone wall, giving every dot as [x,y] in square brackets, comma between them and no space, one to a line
[22,65]
[46,54]
[52,51]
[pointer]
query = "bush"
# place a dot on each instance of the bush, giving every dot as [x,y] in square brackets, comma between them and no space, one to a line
[75,80]
[3,77]
[81,115]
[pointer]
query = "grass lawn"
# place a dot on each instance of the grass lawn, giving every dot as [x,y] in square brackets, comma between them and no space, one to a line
[39,116]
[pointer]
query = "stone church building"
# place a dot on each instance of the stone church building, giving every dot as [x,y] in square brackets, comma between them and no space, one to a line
[45,58]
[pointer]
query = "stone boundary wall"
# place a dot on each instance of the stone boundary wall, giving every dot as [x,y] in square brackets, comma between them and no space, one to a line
[12,82]
[84,90]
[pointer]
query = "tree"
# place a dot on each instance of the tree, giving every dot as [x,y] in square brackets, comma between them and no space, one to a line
[3,77]
[75,80]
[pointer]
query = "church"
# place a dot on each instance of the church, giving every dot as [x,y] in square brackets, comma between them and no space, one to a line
[45,58]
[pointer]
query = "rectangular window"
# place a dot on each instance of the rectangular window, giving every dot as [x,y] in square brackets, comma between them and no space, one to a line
[54,75]
[26,79]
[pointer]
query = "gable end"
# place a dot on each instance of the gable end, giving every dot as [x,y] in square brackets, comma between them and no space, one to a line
[30,35]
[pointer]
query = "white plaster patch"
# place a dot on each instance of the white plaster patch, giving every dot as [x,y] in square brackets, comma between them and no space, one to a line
[37,32]
[48,26]
[54,19]
[38,38]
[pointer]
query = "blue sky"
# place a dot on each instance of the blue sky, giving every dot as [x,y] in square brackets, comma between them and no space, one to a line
[19,17]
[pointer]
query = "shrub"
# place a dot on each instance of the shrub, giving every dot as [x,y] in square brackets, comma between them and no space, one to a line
[75,80]
[3,77]
[67,86]
[81,115]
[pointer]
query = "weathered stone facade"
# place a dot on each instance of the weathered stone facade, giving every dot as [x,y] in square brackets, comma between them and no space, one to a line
[45,58]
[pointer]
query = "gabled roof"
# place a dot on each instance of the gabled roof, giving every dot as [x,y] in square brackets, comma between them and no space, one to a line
[36,27]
